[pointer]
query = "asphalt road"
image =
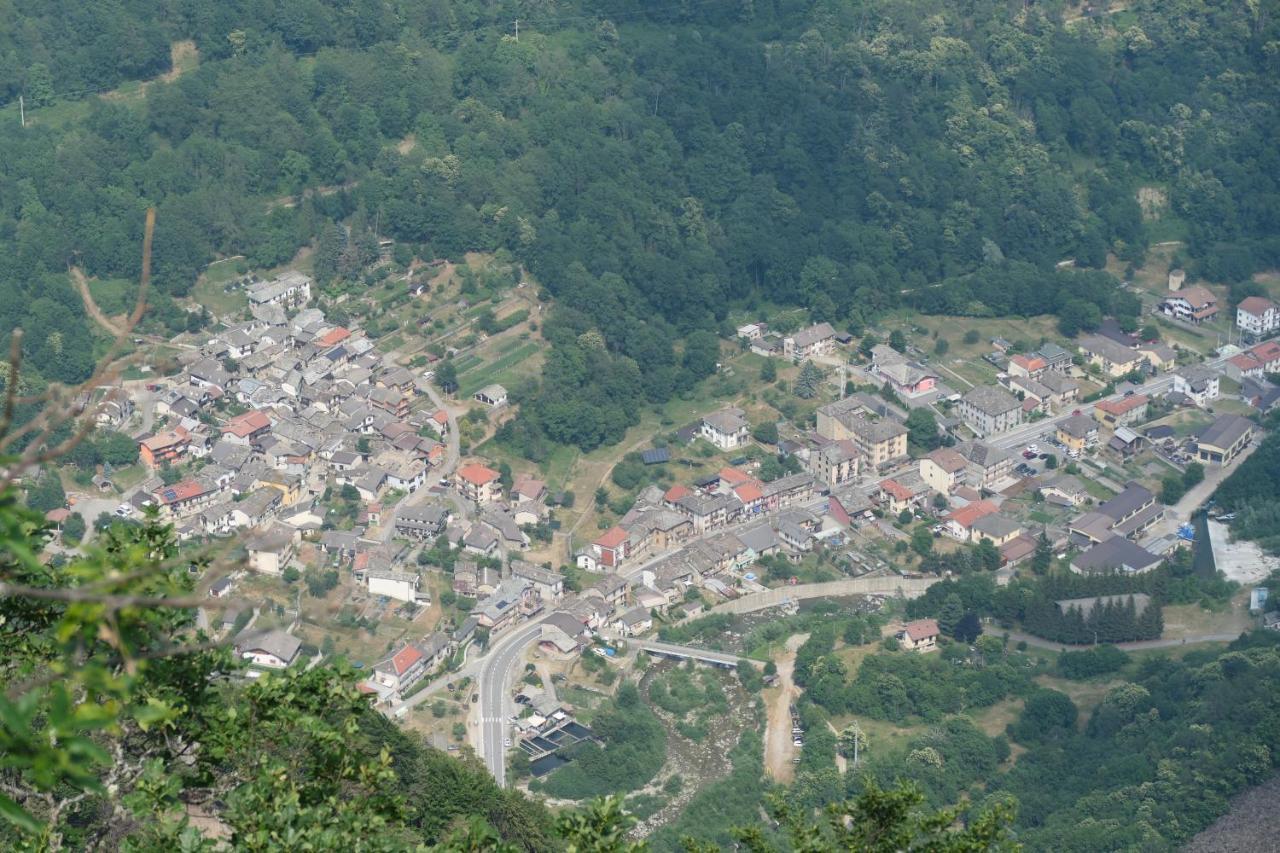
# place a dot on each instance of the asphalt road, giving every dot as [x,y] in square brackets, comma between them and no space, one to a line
[498,670]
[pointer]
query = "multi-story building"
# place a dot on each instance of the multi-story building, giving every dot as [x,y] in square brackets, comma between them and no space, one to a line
[988,410]
[818,339]
[1258,316]
[1122,412]
[1198,382]
[1193,304]
[727,429]
[943,469]
[478,483]
[164,447]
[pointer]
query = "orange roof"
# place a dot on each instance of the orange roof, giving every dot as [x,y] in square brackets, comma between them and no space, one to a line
[405,658]
[1245,361]
[896,490]
[477,474]
[676,492]
[57,516]
[1196,296]
[1028,362]
[748,492]
[247,424]
[1267,351]
[612,538]
[1124,404]
[333,336]
[185,490]
[440,416]
[733,476]
[968,514]
[921,629]
[168,438]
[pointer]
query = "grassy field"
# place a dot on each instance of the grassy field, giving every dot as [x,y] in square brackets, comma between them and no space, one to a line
[521,361]
[965,360]
[210,289]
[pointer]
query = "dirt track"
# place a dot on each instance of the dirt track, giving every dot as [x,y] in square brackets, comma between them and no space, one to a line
[777,740]
[91,307]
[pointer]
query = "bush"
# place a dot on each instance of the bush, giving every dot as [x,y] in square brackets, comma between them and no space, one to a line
[1096,661]
[1046,714]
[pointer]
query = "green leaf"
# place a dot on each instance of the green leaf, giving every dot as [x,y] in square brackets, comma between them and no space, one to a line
[17,815]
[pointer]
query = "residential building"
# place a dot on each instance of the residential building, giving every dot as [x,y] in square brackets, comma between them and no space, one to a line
[989,410]
[905,377]
[1260,394]
[608,551]
[1126,442]
[1125,411]
[164,447]
[1029,366]
[401,586]
[1000,529]
[1114,358]
[508,603]
[1193,304]
[275,649]
[271,548]
[411,662]
[291,289]
[1065,490]
[879,441]
[1224,439]
[987,465]
[752,331]
[834,462]
[958,524]
[245,429]
[1063,390]
[492,395]
[727,429]
[1078,434]
[547,584]
[1056,359]
[1258,316]
[421,523]
[1160,356]
[633,623]
[184,498]
[1198,382]
[919,636]
[1115,555]
[943,469]
[818,339]
[478,483]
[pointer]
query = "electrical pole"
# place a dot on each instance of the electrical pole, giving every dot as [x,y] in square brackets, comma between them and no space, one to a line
[517,23]
[857,736]
[22,111]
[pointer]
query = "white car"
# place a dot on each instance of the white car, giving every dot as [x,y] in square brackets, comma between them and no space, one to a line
[1033,448]
[507,743]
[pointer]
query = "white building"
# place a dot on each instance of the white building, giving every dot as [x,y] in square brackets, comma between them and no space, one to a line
[290,289]
[726,429]
[402,586]
[275,649]
[1258,316]
[1197,382]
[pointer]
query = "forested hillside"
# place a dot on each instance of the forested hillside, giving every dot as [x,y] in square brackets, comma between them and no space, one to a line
[652,164]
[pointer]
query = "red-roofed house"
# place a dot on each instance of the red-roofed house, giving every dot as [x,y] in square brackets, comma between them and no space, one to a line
[57,516]
[1030,366]
[243,429]
[610,548]
[675,493]
[896,497]
[186,496]
[1258,316]
[1122,412]
[333,337]
[1193,304]
[1242,366]
[407,666]
[920,635]
[959,522]
[164,446]
[439,421]
[751,494]
[732,477]
[478,483]
[1268,352]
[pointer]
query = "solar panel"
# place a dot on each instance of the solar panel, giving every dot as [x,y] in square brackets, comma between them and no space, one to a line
[170,495]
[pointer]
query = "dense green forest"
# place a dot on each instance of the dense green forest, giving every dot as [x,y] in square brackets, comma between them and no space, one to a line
[1252,492]
[652,165]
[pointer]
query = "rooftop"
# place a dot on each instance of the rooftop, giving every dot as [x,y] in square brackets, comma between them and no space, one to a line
[991,400]
[1225,431]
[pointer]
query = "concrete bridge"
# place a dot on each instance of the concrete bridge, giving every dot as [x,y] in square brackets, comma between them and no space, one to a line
[724,660]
